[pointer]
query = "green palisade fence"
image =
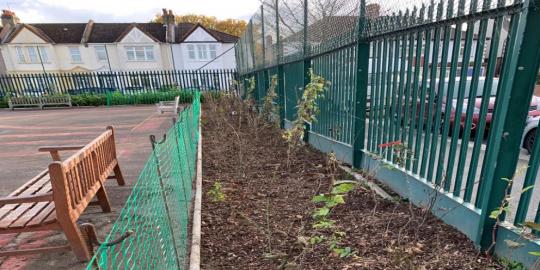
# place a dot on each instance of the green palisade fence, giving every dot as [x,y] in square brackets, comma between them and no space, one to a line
[411,72]
[125,82]
[157,211]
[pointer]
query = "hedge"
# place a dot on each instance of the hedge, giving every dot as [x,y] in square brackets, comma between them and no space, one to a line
[117,98]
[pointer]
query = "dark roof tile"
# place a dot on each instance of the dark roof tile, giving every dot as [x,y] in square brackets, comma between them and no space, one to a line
[183,30]
[111,32]
[62,32]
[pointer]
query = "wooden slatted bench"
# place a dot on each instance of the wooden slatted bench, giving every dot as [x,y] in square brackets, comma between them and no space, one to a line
[39,101]
[55,198]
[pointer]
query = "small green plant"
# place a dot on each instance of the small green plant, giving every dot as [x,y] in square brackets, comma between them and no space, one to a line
[216,193]
[511,265]
[270,111]
[499,212]
[335,245]
[322,221]
[307,111]
[317,239]
[250,100]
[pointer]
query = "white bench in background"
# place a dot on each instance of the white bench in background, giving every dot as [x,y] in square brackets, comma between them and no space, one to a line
[168,106]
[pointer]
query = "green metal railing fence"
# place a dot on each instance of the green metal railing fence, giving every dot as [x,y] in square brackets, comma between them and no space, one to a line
[451,80]
[127,82]
[157,211]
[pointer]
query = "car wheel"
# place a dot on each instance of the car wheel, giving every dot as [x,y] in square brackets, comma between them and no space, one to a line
[528,143]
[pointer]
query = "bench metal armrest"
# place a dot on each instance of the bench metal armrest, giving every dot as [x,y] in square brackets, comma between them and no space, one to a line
[54,150]
[27,199]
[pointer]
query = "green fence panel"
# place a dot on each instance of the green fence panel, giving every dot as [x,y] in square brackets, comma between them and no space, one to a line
[336,116]
[157,210]
[440,81]
[293,83]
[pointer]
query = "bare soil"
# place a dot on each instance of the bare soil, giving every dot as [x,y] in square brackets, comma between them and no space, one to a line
[266,216]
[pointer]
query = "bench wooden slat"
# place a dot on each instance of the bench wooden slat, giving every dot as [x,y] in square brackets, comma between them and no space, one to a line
[41,185]
[31,214]
[23,211]
[46,216]
[44,173]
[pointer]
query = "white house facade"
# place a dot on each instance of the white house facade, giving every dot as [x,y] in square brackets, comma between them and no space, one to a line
[80,47]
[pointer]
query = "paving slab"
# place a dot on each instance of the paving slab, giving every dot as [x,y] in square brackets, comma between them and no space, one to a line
[23,131]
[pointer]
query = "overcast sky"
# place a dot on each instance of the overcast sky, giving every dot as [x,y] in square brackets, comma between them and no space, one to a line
[37,11]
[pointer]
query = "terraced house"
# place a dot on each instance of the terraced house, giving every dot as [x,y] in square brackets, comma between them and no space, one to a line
[93,46]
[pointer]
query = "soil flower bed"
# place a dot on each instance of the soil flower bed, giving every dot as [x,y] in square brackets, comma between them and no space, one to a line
[257,211]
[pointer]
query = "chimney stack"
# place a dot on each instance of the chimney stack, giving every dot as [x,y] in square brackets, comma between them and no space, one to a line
[9,18]
[169,23]
[373,11]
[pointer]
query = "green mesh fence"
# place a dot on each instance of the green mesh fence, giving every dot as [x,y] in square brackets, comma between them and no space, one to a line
[157,211]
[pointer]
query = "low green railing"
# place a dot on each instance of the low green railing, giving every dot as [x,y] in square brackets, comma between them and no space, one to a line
[156,214]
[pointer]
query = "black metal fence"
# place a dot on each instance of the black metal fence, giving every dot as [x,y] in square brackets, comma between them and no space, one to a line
[127,82]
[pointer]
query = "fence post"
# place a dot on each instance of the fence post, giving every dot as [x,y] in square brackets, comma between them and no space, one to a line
[362,70]
[280,85]
[307,64]
[518,77]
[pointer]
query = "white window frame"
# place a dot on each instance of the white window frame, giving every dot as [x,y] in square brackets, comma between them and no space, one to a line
[43,54]
[75,53]
[20,55]
[202,53]
[31,54]
[212,51]
[101,52]
[192,54]
[33,57]
[140,53]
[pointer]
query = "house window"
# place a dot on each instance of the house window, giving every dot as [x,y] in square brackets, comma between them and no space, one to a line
[191,51]
[43,54]
[32,55]
[201,49]
[75,54]
[101,53]
[140,53]
[212,50]
[20,55]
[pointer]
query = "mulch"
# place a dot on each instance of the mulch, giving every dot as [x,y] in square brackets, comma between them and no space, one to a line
[265,218]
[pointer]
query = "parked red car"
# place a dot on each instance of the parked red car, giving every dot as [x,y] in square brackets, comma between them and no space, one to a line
[533,111]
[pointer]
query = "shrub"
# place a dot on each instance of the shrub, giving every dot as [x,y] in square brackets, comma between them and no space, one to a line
[117,98]
[3,102]
[89,100]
